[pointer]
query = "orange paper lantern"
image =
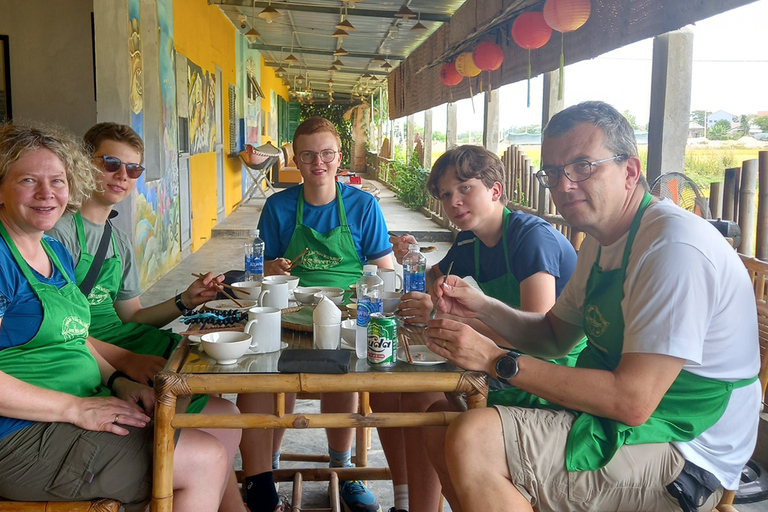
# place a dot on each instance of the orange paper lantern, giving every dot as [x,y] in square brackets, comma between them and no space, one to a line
[530,30]
[566,15]
[465,66]
[449,75]
[488,56]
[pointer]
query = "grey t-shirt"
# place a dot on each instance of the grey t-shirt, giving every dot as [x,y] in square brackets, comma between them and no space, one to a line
[66,232]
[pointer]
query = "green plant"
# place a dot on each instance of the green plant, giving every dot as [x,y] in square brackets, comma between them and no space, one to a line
[410,183]
[335,114]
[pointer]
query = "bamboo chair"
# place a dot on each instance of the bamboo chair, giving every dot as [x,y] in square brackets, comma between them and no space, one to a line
[60,506]
[758,272]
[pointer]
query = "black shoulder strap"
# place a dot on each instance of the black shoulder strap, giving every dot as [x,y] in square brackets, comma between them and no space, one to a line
[98,259]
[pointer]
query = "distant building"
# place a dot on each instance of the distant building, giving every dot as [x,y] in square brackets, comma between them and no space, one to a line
[720,115]
[695,130]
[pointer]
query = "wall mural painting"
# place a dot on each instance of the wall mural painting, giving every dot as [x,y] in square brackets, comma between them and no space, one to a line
[136,97]
[202,96]
[157,233]
[252,104]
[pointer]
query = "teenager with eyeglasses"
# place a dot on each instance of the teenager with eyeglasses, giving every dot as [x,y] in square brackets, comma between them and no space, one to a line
[342,228]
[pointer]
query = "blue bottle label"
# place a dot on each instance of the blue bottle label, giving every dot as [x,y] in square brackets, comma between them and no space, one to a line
[365,307]
[414,282]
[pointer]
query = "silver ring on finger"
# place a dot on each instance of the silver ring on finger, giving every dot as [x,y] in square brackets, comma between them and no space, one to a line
[117,418]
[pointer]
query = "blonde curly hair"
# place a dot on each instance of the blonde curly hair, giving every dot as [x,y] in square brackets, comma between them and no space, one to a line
[17,140]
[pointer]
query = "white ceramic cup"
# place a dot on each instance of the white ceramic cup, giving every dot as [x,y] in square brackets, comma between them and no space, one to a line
[274,295]
[392,280]
[326,336]
[264,327]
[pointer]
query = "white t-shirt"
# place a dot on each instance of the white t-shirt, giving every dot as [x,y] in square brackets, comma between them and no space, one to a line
[686,294]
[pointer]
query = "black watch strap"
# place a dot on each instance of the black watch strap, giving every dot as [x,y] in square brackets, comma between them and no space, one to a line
[112,378]
[181,306]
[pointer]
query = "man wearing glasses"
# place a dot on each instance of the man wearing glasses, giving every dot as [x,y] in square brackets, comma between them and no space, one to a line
[341,228]
[647,418]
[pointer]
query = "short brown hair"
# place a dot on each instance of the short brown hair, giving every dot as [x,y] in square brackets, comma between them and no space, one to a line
[315,124]
[17,140]
[468,162]
[116,132]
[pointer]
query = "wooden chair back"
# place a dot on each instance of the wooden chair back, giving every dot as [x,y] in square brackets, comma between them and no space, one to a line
[758,273]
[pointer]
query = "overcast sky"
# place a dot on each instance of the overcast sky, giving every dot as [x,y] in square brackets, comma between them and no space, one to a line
[730,72]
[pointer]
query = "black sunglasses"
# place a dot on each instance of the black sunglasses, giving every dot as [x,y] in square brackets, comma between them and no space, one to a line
[113,164]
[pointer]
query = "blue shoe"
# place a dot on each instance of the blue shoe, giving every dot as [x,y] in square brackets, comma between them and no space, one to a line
[355,497]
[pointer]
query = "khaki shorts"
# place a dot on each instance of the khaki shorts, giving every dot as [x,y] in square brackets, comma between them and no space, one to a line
[635,480]
[61,462]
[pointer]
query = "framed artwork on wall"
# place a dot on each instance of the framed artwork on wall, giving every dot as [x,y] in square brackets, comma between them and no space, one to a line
[5,80]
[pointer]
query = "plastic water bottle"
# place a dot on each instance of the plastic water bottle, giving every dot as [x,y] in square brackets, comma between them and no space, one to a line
[254,259]
[370,287]
[414,270]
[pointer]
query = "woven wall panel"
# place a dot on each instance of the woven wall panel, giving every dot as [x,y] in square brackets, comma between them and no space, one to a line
[414,86]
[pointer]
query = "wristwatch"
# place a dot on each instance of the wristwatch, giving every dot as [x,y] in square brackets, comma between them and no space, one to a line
[182,307]
[506,365]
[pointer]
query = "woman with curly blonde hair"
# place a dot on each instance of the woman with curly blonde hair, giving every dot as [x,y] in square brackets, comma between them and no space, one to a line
[63,437]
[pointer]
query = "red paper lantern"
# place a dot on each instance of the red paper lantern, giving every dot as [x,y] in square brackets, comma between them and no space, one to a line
[530,30]
[449,75]
[465,66]
[488,56]
[566,15]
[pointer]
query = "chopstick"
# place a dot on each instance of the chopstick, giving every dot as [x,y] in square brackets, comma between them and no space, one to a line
[437,302]
[406,346]
[225,285]
[298,260]
[220,286]
[214,329]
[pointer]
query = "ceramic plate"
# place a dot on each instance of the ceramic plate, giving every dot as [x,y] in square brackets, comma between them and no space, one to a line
[227,304]
[194,339]
[421,356]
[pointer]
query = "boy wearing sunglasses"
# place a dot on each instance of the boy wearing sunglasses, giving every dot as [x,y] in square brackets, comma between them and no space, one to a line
[117,316]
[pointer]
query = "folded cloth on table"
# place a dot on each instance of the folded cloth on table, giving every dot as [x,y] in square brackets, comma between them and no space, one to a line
[314,361]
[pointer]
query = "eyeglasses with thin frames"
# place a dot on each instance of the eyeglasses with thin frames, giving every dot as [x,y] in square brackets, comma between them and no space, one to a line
[576,172]
[113,164]
[326,155]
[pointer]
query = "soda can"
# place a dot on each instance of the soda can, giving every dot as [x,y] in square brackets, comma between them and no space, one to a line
[382,340]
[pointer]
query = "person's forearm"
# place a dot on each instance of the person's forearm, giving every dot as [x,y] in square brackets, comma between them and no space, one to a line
[160,314]
[112,356]
[25,401]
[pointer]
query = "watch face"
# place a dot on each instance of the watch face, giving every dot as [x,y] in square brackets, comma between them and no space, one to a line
[506,366]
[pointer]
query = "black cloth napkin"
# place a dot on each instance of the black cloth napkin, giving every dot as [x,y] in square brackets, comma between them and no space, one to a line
[314,361]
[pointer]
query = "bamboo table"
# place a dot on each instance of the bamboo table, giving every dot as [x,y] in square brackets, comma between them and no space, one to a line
[190,372]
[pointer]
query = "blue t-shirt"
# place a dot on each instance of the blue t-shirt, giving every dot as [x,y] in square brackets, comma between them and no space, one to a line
[17,300]
[533,246]
[366,222]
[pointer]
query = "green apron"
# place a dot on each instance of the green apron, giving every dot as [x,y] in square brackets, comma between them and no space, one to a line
[56,357]
[107,326]
[332,259]
[690,406]
[506,288]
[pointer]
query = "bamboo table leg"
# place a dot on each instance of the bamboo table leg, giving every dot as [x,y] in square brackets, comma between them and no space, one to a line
[167,387]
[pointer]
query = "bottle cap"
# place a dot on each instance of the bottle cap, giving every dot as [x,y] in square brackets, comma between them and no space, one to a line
[413,248]
[370,269]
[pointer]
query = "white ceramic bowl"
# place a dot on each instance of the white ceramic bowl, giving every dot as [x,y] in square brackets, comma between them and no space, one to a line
[333,293]
[390,301]
[226,347]
[293,281]
[349,330]
[253,288]
[306,295]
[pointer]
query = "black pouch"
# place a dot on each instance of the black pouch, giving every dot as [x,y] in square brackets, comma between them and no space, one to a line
[693,486]
[314,361]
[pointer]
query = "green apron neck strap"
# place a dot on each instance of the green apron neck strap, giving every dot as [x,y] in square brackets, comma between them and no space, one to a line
[339,203]
[80,232]
[504,226]
[632,230]
[23,265]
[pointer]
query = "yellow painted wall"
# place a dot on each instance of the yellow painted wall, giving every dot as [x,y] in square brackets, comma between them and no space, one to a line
[206,37]
[270,82]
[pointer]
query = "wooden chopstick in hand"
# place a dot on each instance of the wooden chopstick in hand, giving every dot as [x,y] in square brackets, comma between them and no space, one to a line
[298,260]
[225,285]
[220,287]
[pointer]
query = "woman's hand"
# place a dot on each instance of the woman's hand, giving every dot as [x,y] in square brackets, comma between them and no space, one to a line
[458,298]
[277,267]
[462,345]
[400,245]
[202,290]
[106,414]
[415,307]
[142,368]
[135,393]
